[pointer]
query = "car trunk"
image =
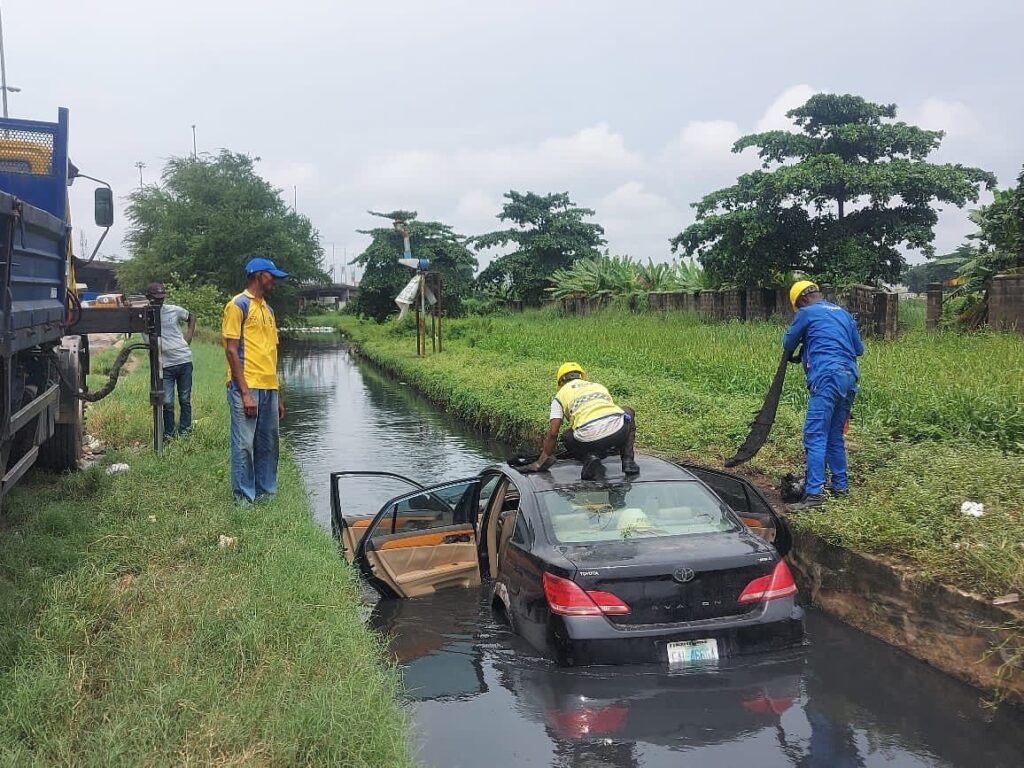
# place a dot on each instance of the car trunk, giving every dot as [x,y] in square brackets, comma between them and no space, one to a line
[652,575]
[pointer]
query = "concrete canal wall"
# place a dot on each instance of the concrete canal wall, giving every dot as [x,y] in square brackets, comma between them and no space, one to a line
[961,634]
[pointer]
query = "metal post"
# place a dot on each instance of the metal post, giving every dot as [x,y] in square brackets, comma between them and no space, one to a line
[421,317]
[156,379]
[3,64]
[194,152]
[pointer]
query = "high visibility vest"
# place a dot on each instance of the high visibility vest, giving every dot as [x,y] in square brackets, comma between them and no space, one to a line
[585,401]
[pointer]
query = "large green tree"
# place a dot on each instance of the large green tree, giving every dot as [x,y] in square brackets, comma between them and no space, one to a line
[842,199]
[383,277]
[549,232]
[206,218]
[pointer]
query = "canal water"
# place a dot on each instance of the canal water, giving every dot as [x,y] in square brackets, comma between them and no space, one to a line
[482,697]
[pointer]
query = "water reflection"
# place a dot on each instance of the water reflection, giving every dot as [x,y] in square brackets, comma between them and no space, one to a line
[844,700]
[482,696]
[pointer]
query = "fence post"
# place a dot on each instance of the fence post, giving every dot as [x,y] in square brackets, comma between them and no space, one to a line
[1006,303]
[933,313]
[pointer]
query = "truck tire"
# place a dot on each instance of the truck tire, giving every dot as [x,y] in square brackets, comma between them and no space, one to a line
[63,450]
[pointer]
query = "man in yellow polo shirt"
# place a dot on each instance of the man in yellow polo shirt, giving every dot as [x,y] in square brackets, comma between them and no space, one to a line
[256,407]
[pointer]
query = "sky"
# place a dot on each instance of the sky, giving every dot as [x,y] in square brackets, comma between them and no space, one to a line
[441,107]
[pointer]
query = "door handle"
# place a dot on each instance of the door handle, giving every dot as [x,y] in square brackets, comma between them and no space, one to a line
[456,538]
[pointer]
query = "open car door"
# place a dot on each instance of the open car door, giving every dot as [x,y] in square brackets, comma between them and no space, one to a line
[423,541]
[749,503]
[352,513]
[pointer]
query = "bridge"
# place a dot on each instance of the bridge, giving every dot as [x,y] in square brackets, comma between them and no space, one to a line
[328,295]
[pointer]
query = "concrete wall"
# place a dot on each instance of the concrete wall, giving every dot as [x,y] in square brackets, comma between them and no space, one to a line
[1006,303]
[933,310]
[877,311]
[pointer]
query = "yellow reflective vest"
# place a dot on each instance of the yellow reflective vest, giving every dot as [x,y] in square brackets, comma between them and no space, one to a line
[585,401]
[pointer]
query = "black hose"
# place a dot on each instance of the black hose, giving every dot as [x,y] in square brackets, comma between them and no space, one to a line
[115,372]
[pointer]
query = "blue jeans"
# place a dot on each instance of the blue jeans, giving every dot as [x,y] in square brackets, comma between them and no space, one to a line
[831,401]
[254,445]
[180,376]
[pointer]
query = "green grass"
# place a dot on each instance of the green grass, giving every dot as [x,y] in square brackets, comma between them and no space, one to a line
[940,418]
[128,637]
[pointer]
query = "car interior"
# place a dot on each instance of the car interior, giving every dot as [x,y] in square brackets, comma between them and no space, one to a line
[424,545]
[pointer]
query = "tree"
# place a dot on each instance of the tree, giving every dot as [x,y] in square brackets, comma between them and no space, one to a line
[839,200]
[549,233]
[383,277]
[998,247]
[206,218]
[938,270]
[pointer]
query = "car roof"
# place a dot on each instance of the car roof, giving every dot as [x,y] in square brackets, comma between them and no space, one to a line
[566,473]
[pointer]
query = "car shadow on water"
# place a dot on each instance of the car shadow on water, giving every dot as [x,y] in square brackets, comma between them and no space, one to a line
[843,699]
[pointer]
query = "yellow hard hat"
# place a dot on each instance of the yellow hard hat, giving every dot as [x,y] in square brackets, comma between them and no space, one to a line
[566,368]
[797,290]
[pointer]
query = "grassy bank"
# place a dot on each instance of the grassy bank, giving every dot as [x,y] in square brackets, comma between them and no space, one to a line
[940,419]
[129,637]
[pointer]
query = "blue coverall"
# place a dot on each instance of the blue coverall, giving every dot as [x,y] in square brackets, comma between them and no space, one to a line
[832,345]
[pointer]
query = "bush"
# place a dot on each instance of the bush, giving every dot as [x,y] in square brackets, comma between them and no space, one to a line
[204,301]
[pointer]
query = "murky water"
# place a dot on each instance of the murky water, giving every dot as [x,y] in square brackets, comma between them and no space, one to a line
[482,697]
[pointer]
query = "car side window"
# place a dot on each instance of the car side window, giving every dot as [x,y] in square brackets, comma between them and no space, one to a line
[486,492]
[521,533]
[435,508]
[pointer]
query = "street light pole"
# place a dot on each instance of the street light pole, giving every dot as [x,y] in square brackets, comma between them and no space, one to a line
[194,153]
[140,165]
[3,67]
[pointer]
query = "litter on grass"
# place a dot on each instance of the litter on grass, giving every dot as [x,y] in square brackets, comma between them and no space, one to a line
[972,509]
[116,469]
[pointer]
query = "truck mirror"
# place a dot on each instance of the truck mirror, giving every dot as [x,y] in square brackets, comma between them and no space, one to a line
[104,199]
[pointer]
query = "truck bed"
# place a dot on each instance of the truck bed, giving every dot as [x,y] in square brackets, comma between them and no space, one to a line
[33,275]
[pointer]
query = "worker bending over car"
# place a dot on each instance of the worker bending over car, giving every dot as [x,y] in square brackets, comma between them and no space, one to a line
[597,426]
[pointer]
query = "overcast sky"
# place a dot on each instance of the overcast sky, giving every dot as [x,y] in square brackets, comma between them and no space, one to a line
[441,107]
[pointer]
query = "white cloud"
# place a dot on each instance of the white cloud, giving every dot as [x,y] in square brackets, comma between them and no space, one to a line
[774,118]
[638,222]
[591,152]
[953,117]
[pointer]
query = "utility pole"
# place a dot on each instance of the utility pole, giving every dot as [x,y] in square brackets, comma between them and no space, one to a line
[295,198]
[3,69]
[140,165]
[194,152]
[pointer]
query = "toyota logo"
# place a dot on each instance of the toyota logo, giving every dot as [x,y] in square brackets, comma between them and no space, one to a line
[683,575]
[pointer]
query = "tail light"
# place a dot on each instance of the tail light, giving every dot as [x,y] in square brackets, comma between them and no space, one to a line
[779,583]
[567,598]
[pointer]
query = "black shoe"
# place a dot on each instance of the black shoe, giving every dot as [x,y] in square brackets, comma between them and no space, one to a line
[837,492]
[629,467]
[591,467]
[810,501]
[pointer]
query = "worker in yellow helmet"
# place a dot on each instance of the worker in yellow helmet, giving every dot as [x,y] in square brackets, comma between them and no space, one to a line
[597,426]
[831,346]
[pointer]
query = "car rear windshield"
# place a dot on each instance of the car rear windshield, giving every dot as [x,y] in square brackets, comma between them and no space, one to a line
[615,513]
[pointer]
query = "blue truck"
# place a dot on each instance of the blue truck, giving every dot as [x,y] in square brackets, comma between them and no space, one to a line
[44,328]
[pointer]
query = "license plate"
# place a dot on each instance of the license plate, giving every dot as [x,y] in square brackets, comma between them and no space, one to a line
[692,652]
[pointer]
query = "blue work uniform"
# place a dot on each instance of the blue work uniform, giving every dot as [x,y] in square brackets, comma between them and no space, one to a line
[832,345]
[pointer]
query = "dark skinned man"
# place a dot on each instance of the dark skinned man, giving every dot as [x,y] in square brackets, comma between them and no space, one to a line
[250,342]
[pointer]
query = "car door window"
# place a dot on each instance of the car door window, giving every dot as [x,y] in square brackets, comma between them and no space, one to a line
[437,507]
[749,503]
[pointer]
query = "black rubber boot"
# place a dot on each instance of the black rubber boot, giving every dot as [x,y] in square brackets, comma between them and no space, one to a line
[810,501]
[629,466]
[591,467]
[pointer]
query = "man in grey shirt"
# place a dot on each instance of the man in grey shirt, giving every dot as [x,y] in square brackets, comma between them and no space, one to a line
[176,360]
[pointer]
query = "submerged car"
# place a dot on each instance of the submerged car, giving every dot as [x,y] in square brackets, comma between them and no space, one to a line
[680,564]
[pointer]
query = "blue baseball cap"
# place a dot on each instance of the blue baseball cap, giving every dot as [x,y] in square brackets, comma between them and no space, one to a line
[260,264]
